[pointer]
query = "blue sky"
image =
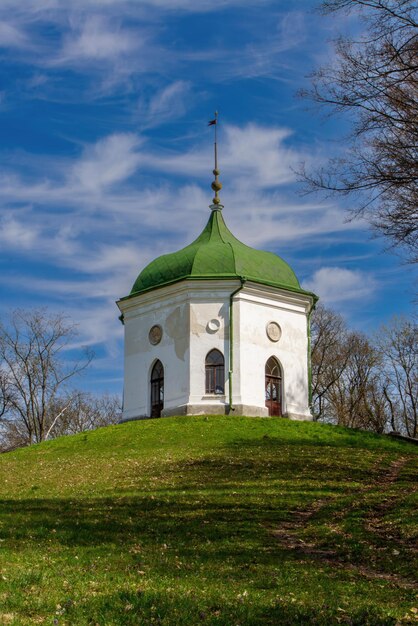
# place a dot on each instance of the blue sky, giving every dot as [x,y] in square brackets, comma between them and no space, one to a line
[106,156]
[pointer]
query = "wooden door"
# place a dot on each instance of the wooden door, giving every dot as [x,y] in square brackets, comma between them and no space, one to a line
[273,387]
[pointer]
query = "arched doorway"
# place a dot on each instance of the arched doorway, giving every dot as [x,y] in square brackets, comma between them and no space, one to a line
[157,389]
[273,386]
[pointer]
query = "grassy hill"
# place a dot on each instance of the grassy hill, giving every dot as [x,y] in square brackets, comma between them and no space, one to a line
[209,520]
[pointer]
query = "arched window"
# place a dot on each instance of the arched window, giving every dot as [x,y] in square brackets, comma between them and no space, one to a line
[273,386]
[157,389]
[215,372]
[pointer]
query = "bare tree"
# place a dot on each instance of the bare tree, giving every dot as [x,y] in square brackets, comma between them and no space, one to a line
[81,411]
[348,383]
[35,368]
[376,408]
[4,393]
[361,382]
[398,345]
[12,435]
[329,356]
[356,399]
[375,81]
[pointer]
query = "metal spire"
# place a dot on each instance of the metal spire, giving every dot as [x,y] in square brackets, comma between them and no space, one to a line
[216,184]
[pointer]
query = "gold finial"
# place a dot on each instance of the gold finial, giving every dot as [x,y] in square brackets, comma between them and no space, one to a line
[216,184]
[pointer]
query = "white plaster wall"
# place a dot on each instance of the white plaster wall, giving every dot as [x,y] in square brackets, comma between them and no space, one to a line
[171,313]
[253,310]
[206,307]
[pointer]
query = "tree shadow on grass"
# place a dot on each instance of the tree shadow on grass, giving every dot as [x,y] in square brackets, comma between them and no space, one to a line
[194,500]
[177,609]
[339,437]
[171,520]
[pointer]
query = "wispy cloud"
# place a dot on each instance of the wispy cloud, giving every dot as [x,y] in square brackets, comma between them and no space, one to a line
[126,182]
[106,163]
[202,6]
[105,49]
[121,174]
[246,145]
[166,104]
[97,40]
[116,40]
[337,285]
[35,7]
[265,56]
[12,36]
[16,234]
[256,156]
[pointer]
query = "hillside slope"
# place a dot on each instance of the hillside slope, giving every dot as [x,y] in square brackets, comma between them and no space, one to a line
[209,520]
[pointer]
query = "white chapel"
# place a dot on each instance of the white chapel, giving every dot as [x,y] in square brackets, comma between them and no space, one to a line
[217,327]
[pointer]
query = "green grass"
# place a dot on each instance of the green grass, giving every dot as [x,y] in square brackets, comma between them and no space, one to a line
[209,520]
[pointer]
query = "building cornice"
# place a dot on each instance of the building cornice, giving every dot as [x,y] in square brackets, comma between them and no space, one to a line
[214,288]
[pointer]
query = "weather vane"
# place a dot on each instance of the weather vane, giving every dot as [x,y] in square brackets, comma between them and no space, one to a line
[216,184]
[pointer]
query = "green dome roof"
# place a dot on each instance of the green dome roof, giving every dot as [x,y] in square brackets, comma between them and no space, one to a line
[217,254]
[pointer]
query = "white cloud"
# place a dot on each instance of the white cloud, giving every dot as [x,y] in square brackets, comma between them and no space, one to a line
[14,234]
[114,258]
[254,160]
[100,46]
[254,156]
[168,103]
[37,80]
[12,36]
[109,161]
[96,39]
[97,324]
[292,30]
[259,156]
[34,7]
[266,58]
[201,6]
[337,285]
[115,179]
